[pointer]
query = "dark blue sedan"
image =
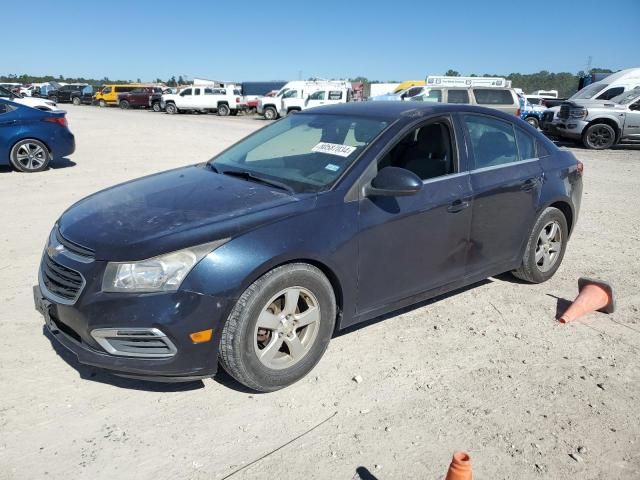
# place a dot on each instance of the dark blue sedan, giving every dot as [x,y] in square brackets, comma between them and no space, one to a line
[30,138]
[324,219]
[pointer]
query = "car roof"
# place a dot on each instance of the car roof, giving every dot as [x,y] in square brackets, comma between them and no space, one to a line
[407,110]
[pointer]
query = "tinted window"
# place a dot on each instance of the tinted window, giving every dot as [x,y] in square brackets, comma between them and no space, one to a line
[196,91]
[492,141]
[335,95]
[186,92]
[492,96]
[208,91]
[458,96]
[106,90]
[4,108]
[542,150]
[526,145]
[426,151]
[612,92]
[317,95]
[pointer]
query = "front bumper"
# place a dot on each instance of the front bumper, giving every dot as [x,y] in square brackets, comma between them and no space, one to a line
[175,314]
[570,128]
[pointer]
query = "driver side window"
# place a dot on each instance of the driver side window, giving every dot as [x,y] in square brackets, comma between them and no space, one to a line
[426,151]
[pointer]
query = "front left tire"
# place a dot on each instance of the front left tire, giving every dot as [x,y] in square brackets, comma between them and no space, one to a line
[30,156]
[279,328]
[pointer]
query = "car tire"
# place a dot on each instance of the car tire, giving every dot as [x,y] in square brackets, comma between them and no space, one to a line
[261,358]
[234,113]
[270,113]
[533,121]
[171,108]
[223,110]
[30,156]
[76,101]
[102,103]
[156,107]
[599,136]
[545,247]
[124,104]
[54,99]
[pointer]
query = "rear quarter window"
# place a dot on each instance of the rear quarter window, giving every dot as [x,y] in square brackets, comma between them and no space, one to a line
[493,96]
[526,145]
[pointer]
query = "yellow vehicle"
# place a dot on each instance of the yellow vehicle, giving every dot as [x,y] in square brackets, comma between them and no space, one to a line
[108,95]
[409,83]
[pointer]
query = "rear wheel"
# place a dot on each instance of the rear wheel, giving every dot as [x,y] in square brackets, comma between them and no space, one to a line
[156,107]
[223,110]
[545,247]
[270,113]
[30,156]
[279,328]
[599,136]
[171,108]
[76,101]
[124,104]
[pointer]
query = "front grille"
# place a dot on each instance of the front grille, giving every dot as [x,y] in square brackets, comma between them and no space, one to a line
[564,111]
[60,280]
[74,248]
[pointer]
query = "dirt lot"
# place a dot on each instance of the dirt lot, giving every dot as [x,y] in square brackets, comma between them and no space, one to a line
[486,369]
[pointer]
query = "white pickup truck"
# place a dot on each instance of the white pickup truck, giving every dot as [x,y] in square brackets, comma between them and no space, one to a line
[202,98]
[299,95]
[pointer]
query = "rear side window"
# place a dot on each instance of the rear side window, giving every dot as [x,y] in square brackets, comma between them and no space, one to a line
[335,95]
[458,96]
[196,91]
[526,145]
[493,96]
[493,141]
[186,92]
[319,95]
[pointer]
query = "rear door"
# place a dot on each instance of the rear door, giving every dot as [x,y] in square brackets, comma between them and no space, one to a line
[316,99]
[506,179]
[8,127]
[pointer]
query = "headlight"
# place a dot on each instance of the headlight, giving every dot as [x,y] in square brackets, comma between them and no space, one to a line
[578,113]
[163,273]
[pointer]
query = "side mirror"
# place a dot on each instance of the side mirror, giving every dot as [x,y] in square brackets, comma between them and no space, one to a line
[393,182]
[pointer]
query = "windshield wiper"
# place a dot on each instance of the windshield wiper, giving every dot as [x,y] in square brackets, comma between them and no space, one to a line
[252,177]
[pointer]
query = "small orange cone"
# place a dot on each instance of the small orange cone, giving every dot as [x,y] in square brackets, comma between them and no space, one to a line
[460,468]
[594,295]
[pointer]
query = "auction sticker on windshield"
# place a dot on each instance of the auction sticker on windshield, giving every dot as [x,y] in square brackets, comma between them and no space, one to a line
[333,149]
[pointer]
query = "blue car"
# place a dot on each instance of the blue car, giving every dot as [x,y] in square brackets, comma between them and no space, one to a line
[322,220]
[30,138]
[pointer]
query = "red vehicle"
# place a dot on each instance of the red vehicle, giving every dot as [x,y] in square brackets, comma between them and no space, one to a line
[252,102]
[137,98]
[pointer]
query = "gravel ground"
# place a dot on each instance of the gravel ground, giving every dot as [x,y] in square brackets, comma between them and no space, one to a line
[486,369]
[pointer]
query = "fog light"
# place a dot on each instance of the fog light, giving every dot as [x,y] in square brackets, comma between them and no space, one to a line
[201,336]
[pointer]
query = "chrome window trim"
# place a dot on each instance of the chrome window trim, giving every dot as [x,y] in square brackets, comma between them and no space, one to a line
[503,165]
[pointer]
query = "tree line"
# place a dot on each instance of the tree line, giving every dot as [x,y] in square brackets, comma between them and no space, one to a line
[566,83]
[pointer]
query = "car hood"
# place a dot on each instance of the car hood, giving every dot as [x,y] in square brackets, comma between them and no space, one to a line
[36,102]
[173,210]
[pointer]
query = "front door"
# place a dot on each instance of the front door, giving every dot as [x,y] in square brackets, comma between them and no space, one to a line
[506,178]
[408,245]
[632,122]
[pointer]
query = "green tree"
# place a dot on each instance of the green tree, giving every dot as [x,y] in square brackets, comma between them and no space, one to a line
[452,73]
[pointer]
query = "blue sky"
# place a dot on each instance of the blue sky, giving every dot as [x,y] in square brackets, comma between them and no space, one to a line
[332,39]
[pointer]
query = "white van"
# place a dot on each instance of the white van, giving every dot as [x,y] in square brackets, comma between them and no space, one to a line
[605,89]
[294,96]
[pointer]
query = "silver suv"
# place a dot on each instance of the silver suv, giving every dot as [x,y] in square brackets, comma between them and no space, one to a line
[601,124]
[503,99]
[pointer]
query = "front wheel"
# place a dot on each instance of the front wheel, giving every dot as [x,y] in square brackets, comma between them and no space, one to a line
[279,328]
[545,247]
[533,121]
[76,101]
[102,103]
[599,136]
[156,107]
[30,156]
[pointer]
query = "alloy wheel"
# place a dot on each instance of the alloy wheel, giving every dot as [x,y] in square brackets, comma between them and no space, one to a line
[31,156]
[287,328]
[549,246]
[600,137]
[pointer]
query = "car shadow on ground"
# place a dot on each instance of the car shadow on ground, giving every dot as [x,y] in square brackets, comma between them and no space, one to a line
[93,374]
[363,473]
[55,165]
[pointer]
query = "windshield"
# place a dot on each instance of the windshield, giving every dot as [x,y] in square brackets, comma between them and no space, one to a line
[628,97]
[4,93]
[589,91]
[303,151]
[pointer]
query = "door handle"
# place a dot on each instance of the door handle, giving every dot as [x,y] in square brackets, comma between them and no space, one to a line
[10,122]
[530,184]
[457,206]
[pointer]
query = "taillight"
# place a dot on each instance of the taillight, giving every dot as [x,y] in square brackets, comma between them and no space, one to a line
[517,112]
[62,121]
[580,168]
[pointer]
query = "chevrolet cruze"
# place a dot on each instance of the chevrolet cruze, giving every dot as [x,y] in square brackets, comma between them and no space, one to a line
[321,220]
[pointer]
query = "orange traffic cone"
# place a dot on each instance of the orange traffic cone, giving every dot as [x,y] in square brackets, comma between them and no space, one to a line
[594,295]
[460,468]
